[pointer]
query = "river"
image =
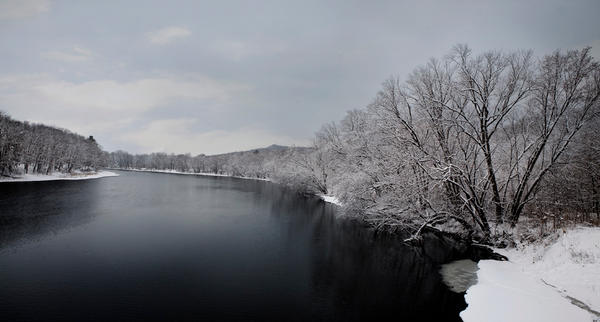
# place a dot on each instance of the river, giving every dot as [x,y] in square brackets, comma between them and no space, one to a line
[153,246]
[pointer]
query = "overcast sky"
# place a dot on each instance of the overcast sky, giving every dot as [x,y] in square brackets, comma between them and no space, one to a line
[219,76]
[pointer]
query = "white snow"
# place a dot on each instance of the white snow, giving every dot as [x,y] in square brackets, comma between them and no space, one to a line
[540,282]
[570,263]
[195,174]
[504,293]
[59,176]
[331,199]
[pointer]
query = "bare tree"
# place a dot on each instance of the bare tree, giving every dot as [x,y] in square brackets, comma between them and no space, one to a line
[565,94]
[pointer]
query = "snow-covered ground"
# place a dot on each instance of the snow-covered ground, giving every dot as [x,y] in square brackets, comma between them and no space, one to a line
[59,176]
[554,281]
[331,199]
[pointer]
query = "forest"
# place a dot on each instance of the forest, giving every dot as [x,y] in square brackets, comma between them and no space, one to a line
[468,143]
[38,148]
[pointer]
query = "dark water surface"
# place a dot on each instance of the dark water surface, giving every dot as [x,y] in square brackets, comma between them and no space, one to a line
[148,246]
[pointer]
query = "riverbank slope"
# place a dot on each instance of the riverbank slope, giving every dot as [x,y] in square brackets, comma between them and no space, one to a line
[556,279]
[58,176]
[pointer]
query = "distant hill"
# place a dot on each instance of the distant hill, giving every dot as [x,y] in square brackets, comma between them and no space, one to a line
[269,149]
[275,147]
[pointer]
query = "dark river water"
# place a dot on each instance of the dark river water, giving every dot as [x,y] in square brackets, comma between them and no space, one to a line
[150,246]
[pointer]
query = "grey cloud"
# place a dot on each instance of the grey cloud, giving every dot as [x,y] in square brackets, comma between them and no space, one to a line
[166,35]
[16,9]
[284,68]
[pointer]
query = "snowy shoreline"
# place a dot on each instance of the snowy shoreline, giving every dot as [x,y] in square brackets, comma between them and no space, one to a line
[205,174]
[327,198]
[59,176]
[556,281]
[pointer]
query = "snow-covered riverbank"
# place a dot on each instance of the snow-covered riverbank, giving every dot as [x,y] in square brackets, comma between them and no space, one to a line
[326,198]
[558,280]
[195,174]
[59,176]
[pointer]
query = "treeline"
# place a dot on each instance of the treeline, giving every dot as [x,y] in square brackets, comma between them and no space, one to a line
[38,148]
[472,143]
[258,163]
[468,143]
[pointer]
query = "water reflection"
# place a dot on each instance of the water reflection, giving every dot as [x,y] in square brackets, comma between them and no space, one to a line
[28,211]
[375,277]
[159,246]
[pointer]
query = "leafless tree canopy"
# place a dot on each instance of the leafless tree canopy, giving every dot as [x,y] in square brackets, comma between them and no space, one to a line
[470,143]
[37,148]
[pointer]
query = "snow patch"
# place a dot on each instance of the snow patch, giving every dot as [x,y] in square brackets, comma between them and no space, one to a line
[504,293]
[331,199]
[571,264]
[558,281]
[59,176]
